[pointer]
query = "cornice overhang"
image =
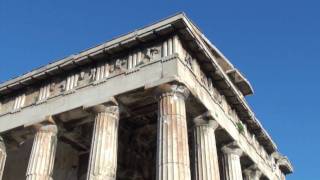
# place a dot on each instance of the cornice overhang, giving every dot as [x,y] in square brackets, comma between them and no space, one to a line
[207,54]
[240,81]
[283,162]
[285,165]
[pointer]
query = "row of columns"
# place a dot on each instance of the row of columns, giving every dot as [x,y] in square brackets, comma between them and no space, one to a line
[173,161]
[173,152]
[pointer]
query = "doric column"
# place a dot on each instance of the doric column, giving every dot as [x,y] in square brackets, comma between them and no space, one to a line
[206,165]
[252,173]
[42,156]
[230,159]
[3,156]
[173,161]
[104,145]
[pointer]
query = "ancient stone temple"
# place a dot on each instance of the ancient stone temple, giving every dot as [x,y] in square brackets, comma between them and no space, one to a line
[159,103]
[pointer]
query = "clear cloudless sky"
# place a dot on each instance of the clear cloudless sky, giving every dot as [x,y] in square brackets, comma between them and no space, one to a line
[274,43]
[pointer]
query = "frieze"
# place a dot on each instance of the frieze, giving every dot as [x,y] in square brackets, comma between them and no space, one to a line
[65,84]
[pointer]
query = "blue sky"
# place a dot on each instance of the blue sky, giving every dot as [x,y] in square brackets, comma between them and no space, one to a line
[274,43]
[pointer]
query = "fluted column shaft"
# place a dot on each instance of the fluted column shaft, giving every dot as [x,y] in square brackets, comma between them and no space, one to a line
[3,156]
[231,166]
[252,173]
[206,165]
[173,161]
[104,146]
[42,156]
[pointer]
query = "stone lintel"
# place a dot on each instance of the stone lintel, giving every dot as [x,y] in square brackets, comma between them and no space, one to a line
[29,115]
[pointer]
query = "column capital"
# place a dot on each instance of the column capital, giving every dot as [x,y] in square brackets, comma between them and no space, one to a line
[103,108]
[48,125]
[48,128]
[253,172]
[111,107]
[232,148]
[206,119]
[173,89]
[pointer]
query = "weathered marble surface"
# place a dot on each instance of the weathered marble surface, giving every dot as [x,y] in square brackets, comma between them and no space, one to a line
[173,152]
[176,53]
[43,153]
[230,160]
[104,146]
[206,166]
